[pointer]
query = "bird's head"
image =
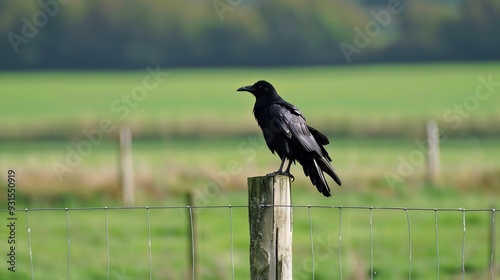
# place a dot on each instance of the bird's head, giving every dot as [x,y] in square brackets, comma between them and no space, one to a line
[260,89]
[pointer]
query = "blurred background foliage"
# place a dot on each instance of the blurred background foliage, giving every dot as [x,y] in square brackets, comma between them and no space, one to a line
[129,34]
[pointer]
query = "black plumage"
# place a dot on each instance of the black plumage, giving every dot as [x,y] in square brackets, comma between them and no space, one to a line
[287,133]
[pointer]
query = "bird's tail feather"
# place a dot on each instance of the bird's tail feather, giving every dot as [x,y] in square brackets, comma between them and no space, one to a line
[328,168]
[315,173]
[324,159]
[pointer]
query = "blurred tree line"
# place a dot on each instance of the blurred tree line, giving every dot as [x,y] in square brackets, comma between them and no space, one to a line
[128,34]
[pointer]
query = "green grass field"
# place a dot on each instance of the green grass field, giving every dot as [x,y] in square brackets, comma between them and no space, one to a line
[163,167]
[194,124]
[350,98]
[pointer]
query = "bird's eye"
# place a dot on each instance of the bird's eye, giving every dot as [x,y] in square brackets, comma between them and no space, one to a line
[259,86]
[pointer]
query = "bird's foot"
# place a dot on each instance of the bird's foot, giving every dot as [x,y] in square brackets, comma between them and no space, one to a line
[281,173]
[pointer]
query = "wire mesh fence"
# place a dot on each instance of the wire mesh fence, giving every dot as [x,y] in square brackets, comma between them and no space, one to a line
[211,242]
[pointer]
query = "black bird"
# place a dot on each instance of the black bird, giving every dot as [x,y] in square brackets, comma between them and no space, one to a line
[286,133]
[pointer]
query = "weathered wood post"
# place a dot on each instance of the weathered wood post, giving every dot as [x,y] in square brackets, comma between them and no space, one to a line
[126,166]
[492,252]
[270,221]
[192,237]
[433,160]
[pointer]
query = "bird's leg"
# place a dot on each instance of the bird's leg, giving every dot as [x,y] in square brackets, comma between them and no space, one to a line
[287,171]
[280,170]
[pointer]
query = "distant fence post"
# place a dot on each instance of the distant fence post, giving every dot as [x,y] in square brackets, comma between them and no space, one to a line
[126,166]
[192,237]
[492,237]
[270,228]
[433,160]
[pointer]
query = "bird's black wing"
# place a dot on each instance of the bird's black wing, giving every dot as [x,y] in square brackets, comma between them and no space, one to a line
[293,124]
[320,137]
[294,110]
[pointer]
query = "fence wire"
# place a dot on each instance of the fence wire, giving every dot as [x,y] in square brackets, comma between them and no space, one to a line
[314,256]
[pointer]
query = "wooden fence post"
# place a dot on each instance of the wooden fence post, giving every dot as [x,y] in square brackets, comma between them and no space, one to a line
[270,228]
[192,237]
[492,237]
[433,160]
[126,166]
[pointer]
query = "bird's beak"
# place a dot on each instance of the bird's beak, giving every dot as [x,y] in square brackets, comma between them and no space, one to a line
[246,88]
